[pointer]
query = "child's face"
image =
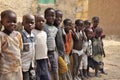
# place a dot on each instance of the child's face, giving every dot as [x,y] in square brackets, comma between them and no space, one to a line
[87,25]
[58,19]
[79,26]
[50,17]
[28,23]
[68,26]
[95,22]
[39,21]
[89,34]
[9,22]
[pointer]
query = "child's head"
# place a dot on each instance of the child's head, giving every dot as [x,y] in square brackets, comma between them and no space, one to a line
[58,19]
[79,24]
[9,20]
[98,32]
[95,21]
[87,24]
[49,15]
[67,24]
[89,33]
[39,21]
[28,22]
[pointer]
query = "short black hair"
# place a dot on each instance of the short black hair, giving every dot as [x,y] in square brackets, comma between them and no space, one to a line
[77,21]
[98,30]
[95,18]
[66,20]
[58,11]
[87,22]
[48,9]
[6,13]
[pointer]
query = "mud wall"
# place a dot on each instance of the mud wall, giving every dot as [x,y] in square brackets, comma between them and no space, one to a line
[108,11]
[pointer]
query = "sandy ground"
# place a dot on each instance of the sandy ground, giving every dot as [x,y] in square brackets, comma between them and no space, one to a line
[112,61]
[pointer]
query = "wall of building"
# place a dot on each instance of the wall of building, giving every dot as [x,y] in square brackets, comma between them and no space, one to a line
[67,7]
[82,9]
[109,13]
[21,7]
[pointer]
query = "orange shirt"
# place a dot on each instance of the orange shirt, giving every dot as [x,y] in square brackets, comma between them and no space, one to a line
[68,42]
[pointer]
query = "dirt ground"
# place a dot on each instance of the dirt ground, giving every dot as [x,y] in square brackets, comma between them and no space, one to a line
[112,61]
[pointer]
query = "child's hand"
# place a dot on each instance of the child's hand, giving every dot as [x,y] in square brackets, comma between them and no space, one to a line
[104,55]
[49,66]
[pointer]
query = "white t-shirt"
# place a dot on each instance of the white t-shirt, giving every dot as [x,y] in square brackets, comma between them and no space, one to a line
[87,46]
[40,44]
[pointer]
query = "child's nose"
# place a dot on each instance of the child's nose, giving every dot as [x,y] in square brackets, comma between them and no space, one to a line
[13,24]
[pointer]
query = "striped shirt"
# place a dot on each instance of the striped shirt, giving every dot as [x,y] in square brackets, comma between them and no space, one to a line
[28,50]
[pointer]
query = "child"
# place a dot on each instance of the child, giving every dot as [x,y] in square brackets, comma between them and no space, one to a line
[60,46]
[95,24]
[68,44]
[0,26]
[77,52]
[41,49]
[98,50]
[51,31]
[10,47]
[28,45]
[87,48]
[87,24]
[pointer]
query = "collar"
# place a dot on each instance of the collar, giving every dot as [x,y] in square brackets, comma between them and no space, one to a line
[28,35]
[7,32]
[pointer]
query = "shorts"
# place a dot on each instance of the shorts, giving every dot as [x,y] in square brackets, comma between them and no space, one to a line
[79,52]
[66,58]
[62,65]
[53,60]
[42,72]
[84,62]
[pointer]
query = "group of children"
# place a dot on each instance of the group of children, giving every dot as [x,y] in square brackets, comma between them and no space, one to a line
[42,50]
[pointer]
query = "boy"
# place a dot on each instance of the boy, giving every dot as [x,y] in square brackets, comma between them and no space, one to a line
[98,50]
[77,51]
[87,48]
[68,44]
[10,47]
[87,24]
[60,46]
[28,45]
[51,31]
[41,57]
[95,24]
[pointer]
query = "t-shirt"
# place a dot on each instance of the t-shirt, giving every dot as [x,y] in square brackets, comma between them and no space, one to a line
[68,42]
[59,41]
[51,34]
[97,46]
[40,44]
[28,52]
[87,47]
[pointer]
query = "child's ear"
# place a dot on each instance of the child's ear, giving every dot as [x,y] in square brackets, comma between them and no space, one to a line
[22,23]
[0,22]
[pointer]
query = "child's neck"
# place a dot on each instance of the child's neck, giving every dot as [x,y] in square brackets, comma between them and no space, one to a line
[6,31]
[50,24]
[38,29]
[29,32]
[57,25]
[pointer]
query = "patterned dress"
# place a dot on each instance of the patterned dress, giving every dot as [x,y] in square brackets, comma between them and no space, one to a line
[10,56]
